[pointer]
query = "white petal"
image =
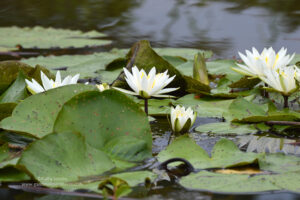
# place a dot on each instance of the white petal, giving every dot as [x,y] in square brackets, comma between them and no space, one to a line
[46,81]
[74,79]
[167,90]
[125,91]
[58,78]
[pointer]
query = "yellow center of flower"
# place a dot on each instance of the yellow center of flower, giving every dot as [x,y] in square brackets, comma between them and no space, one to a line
[276,59]
[179,114]
[283,74]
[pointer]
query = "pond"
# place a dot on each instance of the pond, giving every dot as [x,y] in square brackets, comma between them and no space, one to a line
[224,27]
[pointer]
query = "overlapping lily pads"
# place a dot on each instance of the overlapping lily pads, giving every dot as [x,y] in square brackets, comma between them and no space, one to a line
[36,114]
[277,171]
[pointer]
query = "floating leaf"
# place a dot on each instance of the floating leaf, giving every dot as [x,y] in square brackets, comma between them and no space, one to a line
[227,128]
[223,68]
[242,110]
[225,154]
[52,162]
[263,144]
[36,114]
[44,38]
[11,174]
[187,53]
[228,183]
[86,65]
[7,157]
[205,107]
[127,138]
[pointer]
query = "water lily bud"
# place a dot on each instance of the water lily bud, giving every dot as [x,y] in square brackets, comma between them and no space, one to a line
[182,119]
[102,87]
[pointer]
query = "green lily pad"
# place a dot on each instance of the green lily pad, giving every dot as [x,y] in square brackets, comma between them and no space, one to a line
[223,67]
[186,68]
[85,65]
[7,157]
[11,174]
[243,183]
[17,91]
[242,110]
[225,154]
[51,160]
[108,76]
[187,53]
[205,107]
[227,128]
[156,107]
[284,169]
[224,183]
[36,114]
[44,38]
[112,122]
[279,163]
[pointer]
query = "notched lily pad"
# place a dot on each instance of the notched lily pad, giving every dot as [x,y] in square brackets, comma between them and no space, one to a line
[225,154]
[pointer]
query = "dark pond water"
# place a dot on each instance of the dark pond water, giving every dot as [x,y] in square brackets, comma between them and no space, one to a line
[225,27]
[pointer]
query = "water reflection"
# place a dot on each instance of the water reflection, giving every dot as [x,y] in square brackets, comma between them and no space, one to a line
[222,26]
[262,144]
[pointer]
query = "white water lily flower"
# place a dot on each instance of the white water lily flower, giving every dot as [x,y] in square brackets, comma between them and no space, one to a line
[182,119]
[255,63]
[147,85]
[102,87]
[281,80]
[34,87]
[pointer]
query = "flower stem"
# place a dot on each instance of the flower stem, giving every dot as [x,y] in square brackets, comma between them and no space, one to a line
[286,102]
[266,93]
[146,106]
